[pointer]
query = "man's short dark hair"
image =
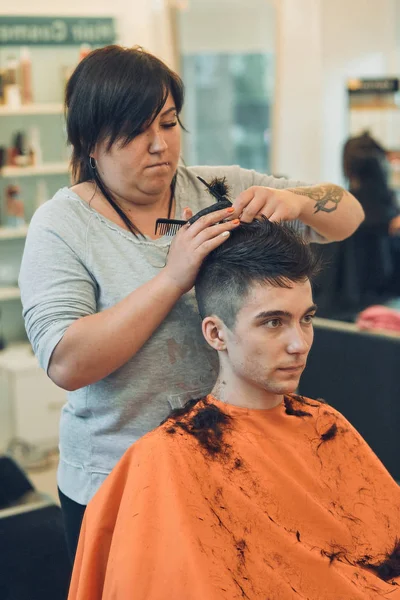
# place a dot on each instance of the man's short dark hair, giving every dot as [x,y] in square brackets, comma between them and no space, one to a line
[258,252]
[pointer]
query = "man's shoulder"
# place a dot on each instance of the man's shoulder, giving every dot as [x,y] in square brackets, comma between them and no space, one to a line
[200,424]
[311,406]
[303,402]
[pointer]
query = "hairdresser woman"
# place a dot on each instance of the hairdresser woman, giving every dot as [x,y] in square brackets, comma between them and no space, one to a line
[108,305]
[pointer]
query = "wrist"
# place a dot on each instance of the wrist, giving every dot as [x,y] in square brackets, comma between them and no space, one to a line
[302,205]
[169,284]
[305,205]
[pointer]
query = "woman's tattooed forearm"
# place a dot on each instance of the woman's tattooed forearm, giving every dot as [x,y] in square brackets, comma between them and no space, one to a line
[326,197]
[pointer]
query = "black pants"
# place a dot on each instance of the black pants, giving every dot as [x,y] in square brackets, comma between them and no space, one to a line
[72,516]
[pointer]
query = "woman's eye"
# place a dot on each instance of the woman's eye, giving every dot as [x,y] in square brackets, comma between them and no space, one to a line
[273,323]
[169,125]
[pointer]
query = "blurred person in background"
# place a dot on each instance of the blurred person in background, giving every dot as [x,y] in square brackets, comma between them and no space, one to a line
[362,270]
[366,168]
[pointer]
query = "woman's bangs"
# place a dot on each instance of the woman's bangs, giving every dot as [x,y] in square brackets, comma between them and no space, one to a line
[140,111]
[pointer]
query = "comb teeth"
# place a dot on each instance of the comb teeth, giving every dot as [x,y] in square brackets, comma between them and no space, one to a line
[168,226]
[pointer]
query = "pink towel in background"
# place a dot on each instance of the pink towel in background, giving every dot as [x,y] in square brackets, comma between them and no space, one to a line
[379,317]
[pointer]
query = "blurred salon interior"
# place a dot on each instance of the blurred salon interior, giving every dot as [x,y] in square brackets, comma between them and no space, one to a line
[302,89]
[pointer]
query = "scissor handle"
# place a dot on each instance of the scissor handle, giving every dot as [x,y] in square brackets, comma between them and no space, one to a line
[213,208]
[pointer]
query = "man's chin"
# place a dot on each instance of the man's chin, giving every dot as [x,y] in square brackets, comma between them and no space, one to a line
[288,387]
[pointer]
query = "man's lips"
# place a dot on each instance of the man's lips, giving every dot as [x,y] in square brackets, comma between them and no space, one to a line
[292,368]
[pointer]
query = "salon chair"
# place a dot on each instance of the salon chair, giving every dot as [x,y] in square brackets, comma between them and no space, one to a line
[34,563]
[357,372]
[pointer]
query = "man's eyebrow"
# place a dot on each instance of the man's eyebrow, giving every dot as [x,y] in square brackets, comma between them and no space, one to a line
[172,109]
[267,314]
[312,308]
[282,313]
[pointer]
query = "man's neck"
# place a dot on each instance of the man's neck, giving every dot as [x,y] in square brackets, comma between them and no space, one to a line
[238,392]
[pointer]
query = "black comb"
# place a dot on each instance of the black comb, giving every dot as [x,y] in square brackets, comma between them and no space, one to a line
[168,226]
[217,188]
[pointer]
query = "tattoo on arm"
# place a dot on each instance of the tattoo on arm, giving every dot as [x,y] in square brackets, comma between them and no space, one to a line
[326,197]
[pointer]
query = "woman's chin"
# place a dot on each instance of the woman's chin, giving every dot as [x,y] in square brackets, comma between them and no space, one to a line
[157,185]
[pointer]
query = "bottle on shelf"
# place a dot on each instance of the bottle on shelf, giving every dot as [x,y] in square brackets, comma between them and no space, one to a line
[14,207]
[16,153]
[26,76]
[25,151]
[35,149]
[12,93]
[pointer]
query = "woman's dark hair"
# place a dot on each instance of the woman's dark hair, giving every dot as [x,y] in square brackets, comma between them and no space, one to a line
[114,94]
[258,252]
[365,166]
[364,159]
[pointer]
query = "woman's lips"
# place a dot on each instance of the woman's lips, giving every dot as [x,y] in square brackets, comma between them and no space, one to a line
[159,165]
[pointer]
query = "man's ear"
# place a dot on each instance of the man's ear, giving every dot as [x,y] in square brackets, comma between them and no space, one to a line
[213,331]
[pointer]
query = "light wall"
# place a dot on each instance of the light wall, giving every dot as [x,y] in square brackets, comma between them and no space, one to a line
[360,39]
[228,26]
[139,21]
[321,43]
[297,126]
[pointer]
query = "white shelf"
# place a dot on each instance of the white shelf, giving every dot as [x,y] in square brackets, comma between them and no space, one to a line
[33,109]
[17,357]
[9,293]
[11,233]
[45,169]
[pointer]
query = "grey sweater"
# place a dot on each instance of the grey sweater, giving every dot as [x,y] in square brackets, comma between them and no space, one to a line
[76,263]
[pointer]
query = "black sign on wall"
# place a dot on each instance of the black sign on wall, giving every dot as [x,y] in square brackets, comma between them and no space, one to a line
[384,85]
[56,31]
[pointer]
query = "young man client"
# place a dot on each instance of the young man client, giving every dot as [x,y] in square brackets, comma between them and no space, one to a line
[252,492]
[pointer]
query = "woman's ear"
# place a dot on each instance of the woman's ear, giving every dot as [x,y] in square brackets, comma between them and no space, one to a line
[99,147]
[213,331]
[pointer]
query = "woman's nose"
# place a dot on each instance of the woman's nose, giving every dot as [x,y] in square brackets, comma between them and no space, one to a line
[157,142]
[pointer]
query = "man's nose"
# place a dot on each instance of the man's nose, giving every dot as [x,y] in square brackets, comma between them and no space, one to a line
[298,342]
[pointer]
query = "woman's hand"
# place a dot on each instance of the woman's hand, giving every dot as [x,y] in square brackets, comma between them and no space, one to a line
[193,243]
[326,208]
[276,205]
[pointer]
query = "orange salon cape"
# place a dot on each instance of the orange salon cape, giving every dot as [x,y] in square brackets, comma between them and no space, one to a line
[281,504]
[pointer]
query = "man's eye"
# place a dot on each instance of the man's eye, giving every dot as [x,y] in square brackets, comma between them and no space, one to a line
[273,323]
[308,319]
